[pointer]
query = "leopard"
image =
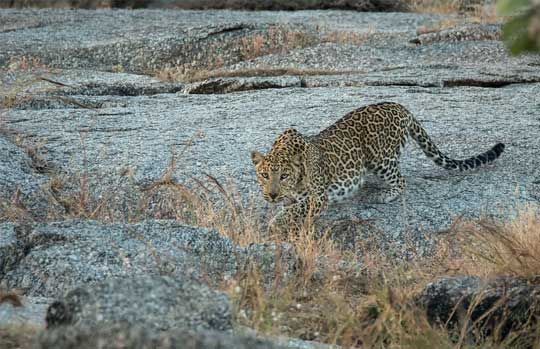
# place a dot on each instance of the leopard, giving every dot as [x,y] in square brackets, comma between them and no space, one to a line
[305,173]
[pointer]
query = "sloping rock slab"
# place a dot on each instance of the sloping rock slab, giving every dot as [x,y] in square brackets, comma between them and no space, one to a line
[85,82]
[503,303]
[21,186]
[55,258]
[90,83]
[154,302]
[434,76]
[55,89]
[463,121]
[137,41]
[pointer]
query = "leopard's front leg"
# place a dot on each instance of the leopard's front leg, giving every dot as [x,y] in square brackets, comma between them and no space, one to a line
[302,212]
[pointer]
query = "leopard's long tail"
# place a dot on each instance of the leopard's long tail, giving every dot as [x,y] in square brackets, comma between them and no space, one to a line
[420,135]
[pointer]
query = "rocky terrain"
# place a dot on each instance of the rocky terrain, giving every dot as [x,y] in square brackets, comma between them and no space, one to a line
[273,5]
[117,126]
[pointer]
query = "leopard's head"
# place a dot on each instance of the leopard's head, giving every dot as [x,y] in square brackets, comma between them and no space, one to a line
[280,172]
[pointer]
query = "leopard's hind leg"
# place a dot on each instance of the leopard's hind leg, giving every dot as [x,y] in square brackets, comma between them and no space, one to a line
[389,172]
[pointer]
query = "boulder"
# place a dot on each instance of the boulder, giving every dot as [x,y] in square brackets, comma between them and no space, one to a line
[135,337]
[51,259]
[157,303]
[489,307]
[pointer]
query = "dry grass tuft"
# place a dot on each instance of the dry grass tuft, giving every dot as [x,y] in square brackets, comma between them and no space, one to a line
[16,92]
[252,46]
[273,40]
[206,203]
[25,63]
[444,24]
[11,297]
[348,37]
[18,336]
[511,248]
[19,84]
[338,303]
[15,336]
[335,298]
[436,6]
[469,13]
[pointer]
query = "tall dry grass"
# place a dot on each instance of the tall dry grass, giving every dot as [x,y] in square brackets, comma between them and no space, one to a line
[369,301]
[503,248]
[437,6]
[476,12]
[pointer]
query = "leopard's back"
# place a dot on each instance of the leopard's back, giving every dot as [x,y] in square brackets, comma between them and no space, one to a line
[371,138]
[367,138]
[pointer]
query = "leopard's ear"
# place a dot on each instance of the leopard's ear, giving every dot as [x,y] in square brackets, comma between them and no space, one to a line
[291,131]
[256,157]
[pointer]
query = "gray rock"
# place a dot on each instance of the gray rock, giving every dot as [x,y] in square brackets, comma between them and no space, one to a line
[504,304]
[59,256]
[287,342]
[31,313]
[157,303]
[131,337]
[11,250]
[88,83]
[228,85]
[469,33]
[22,188]
[272,260]
[277,5]
[148,41]
[46,89]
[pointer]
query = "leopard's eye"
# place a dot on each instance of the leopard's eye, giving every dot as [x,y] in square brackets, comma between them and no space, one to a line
[284,176]
[264,175]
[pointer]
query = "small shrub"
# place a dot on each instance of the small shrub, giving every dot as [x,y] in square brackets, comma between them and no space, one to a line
[521,33]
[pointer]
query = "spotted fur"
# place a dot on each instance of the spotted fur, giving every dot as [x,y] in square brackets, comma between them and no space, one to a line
[308,171]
